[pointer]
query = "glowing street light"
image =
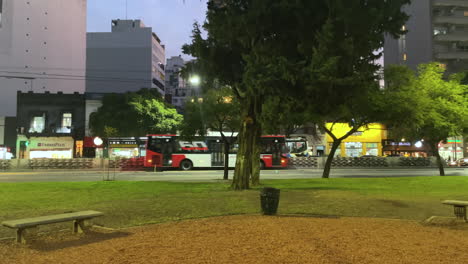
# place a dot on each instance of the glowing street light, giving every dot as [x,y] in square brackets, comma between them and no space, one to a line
[98,141]
[195,80]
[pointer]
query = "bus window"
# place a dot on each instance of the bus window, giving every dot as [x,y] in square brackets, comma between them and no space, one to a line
[155,144]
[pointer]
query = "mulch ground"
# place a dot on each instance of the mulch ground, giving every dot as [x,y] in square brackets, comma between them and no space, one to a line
[253,239]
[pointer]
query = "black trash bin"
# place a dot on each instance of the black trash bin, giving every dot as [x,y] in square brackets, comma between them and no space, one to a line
[269,200]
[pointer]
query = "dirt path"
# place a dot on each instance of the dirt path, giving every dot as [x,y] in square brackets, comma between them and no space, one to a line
[254,239]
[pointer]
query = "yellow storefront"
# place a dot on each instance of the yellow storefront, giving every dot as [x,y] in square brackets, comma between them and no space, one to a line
[366,141]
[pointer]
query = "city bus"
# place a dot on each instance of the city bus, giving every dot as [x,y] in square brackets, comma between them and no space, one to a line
[170,151]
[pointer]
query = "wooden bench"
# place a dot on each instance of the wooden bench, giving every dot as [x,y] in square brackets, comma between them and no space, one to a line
[78,219]
[459,208]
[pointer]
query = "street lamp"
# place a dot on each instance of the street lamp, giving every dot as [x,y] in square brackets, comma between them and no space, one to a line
[195,80]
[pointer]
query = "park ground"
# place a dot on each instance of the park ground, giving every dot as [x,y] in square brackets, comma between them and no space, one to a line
[320,220]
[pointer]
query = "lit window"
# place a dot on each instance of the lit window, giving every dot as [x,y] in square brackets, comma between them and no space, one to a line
[464,13]
[66,120]
[37,124]
[405,57]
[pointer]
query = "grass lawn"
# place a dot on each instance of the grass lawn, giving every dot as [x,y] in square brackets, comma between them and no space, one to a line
[137,203]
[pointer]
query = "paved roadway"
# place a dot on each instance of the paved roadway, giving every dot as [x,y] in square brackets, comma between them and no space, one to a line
[214,175]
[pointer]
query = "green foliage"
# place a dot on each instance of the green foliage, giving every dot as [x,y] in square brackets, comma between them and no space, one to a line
[216,110]
[320,53]
[154,116]
[134,114]
[283,115]
[110,131]
[426,106]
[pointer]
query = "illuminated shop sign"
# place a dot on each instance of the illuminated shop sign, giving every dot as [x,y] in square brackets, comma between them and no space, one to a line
[391,143]
[51,143]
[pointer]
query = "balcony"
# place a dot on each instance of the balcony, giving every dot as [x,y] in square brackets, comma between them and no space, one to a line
[452,37]
[460,3]
[458,20]
[452,55]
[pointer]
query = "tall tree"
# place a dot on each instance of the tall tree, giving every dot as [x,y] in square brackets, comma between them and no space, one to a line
[217,111]
[320,52]
[284,115]
[432,108]
[134,114]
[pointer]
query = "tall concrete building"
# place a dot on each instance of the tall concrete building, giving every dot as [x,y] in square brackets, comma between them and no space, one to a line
[42,48]
[176,86]
[128,58]
[437,31]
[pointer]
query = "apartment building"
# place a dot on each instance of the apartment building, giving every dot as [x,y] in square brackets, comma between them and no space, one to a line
[127,59]
[437,31]
[42,48]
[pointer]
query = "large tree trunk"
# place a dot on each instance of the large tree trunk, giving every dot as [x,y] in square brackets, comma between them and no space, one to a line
[435,151]
[250,128]
[255,178]
[326,171]
[226,160]
[243,160]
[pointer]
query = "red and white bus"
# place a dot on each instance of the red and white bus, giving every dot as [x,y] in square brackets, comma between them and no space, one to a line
[169,151]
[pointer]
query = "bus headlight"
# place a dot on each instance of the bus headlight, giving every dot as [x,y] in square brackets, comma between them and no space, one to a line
[170,161]
[150,161]
[283,161]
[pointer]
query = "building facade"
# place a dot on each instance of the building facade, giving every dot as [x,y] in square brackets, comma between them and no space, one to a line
[127,59]
[50,125]
[176,86]
[42,48]
[437,31]
[367,141]
[179,88]
[7,136]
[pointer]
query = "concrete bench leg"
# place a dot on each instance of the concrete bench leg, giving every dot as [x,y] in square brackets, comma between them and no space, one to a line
[460,212]
[20,236]
[78,226]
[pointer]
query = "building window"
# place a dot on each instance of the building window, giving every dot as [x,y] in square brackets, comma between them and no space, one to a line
[372,149]
[37,124]
[464,13]
[353,149]
[66,120]
[158,84]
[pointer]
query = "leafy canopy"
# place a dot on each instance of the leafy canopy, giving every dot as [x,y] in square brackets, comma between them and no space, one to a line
[217,110]
[134,114]
[427,105]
